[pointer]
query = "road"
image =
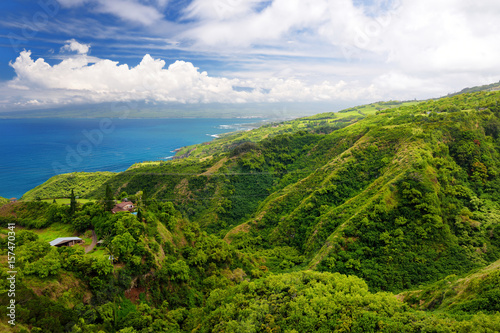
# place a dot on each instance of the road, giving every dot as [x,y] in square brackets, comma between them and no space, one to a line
[93,244]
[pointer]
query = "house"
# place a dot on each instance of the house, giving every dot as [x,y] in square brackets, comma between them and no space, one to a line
[125,206]
[13,199]
[66,241]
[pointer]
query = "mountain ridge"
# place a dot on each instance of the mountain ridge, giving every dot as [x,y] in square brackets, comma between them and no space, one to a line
[388,201]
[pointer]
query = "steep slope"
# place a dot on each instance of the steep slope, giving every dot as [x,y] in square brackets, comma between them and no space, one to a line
[60,186]
[479,291]
[409,201]
[229,237]
[320,302]
[398,196]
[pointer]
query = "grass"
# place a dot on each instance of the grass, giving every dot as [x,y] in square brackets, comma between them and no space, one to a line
[60,186]
[57,230]
[450,290]
[143,164]
[66,201]
[98,252]
[54,231]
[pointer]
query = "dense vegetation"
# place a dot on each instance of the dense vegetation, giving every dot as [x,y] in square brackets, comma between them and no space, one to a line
[61,185]
[3,201]
[306,225]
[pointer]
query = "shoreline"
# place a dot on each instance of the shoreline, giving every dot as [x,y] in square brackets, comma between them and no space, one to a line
[167,137]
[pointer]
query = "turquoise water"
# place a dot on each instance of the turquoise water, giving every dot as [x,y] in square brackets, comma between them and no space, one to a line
[33,150]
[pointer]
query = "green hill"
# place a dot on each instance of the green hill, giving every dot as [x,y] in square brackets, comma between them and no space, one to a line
[473,293]
[486,87]
[3,201]
[377,196]
[271,229]
[60,186]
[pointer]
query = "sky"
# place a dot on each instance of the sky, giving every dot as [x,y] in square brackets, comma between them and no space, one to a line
[61,53]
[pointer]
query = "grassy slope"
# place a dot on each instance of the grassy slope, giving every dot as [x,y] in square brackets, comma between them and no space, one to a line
[346,173]
[87,184]
[406,146]
[60,186]
[341,183]
[477,291]
[57,230]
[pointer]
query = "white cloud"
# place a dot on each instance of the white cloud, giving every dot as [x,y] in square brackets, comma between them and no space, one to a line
[216,10]
[287,50]
[74,46]
[72,3]
[77,79]
[129,10]
[420,42]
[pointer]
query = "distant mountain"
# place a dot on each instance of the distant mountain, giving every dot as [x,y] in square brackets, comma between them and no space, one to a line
[124,110]
[487,87]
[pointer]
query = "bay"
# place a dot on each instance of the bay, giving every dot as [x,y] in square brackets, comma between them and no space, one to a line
[33,150]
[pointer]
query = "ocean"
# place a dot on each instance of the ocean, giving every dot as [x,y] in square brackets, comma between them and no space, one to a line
[33,150]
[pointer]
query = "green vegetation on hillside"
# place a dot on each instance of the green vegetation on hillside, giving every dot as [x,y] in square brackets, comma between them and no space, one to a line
[476,292]
[60,186]
[320,302]
[486,87]
[3,201]
[300,226]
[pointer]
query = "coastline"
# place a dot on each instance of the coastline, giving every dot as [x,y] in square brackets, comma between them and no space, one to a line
[35,146]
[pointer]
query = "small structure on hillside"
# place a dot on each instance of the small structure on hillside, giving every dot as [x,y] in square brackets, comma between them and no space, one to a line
[13,199]
[125,206]
[66,241]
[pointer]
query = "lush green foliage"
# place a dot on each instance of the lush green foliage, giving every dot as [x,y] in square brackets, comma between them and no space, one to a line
[3,201]
[60,186]
[317,302]
[294,226]
[476,292]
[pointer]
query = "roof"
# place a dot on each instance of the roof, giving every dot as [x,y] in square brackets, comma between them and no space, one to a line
[124,204]
[61,240]
[123,207]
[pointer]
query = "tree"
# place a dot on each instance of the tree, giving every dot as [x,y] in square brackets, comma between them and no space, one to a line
[72,203]
[123,245]
[81,222]
[141,198]
[101,266]
[46,266]
[108,199]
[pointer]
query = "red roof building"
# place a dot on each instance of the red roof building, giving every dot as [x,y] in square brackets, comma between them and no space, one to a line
[125,206]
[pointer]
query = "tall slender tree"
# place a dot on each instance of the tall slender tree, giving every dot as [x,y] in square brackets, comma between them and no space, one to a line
[72,203]
[108,199]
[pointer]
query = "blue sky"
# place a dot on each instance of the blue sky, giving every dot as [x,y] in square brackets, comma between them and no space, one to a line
[67,52]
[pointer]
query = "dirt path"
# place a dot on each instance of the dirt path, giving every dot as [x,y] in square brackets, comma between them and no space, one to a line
[93,244]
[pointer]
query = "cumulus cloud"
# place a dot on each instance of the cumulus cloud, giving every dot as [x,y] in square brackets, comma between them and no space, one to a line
[74,46]
[419,41]
[279,50]
[81,79]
